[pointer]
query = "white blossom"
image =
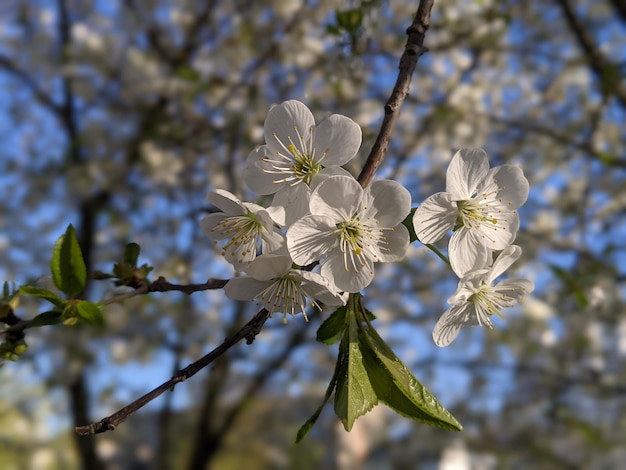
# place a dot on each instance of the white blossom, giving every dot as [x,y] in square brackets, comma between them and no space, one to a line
[247,228]
[479,204]
[280,288]
[296,151]
[476,299]
[349,228]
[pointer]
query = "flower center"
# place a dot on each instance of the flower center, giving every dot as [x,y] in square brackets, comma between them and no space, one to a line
[484,212]
[244,232]
[284,295]
[357,241]
[488,302]
[297,162]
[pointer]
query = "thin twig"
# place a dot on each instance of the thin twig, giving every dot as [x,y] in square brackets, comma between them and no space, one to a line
[249,331]
[162,285]
[412,52]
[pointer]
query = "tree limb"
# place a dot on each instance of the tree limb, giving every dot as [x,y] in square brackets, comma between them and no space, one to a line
[249,331]
[412,52]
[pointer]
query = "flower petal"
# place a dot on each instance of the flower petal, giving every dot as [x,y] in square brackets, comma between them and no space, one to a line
[350,280]
[466,253]
[269,266]
[513,184]
[339,137]
[391,202]
[397,243]
[226,202]
[319,288]
[435,217]
[244,288]
[466,172]
[310,238]
[258,174]
[505,259]
[336,198]
[208,224]
[290,204]
[283,124]
[514,289]
[450,323]
[328,172]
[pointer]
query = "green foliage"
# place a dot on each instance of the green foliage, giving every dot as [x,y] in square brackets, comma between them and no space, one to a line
[396,386]
[408,223]
[44,294]
[331,330]
[368,371]
[69,272]
[572,284]
[354,394]
[51,317]
[127,272]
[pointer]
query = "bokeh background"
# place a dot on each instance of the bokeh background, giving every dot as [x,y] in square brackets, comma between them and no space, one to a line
[118,116]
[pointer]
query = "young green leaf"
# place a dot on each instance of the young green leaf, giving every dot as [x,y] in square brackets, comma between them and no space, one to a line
[90,313]
[51,317]
[67,265]
[44,294]
[131,254]
[408,223]
[333,327]
[354,395]
[396,386]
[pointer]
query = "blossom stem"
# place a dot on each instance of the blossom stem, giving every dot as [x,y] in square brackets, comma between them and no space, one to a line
[435,250]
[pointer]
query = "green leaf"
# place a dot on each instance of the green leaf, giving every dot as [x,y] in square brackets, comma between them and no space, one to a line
[131,254]
[408,223]
[67,266]
[306,427]
[90,313]
[396,386]
[333,327]
[44,294]
[51,317]
[354,395]
[350,20]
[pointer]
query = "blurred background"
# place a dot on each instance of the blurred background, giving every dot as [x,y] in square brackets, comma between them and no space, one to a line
[118,116]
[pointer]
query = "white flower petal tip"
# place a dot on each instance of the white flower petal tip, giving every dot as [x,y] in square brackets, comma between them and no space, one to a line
[295,150]
[350,228]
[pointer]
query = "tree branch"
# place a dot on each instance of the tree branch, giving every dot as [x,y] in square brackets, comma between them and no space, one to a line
[249,331]
[162,285]
[412,52]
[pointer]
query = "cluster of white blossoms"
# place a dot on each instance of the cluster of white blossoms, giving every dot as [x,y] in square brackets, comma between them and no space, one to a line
[319,238]
[480,206]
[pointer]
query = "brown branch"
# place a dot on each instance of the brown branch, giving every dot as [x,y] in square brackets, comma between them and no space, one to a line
[249,331]
[162,285]
[412,52]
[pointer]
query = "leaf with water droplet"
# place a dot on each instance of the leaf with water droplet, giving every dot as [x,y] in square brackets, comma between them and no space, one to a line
[396,386]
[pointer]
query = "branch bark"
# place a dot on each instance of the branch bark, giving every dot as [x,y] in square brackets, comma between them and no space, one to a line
[413,50]
[249,331]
